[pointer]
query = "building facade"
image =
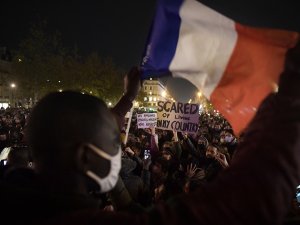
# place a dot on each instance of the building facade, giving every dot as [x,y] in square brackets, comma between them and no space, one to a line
[154,91]
[6,92]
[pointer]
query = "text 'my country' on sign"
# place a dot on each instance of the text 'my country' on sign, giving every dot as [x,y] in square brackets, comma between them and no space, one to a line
[178,116]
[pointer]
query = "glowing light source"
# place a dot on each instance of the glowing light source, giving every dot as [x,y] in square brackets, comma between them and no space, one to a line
[275,87]
[164,94]
[109,104]
[199,94]
[12,85]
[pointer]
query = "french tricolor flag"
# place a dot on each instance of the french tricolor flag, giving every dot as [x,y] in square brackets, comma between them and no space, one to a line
[235,66]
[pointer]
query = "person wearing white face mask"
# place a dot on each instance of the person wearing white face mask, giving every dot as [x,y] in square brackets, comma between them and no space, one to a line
[107,183]
[75,142]
[228,140]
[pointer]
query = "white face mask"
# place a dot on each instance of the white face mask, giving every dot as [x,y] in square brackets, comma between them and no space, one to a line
[106,183]
[228,138]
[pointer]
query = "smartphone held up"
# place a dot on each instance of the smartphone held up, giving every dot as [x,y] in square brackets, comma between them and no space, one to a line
[147,154]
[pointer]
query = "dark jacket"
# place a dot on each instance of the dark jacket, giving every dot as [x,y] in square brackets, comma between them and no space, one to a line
[137,187]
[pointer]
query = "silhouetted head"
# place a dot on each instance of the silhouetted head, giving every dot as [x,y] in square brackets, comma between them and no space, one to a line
[73,135]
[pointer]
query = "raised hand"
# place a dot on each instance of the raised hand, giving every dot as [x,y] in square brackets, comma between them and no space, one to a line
[199,175]
[191,171]
[175,136]
[129,151]
[146,163]
[152,129]
[221,158]
[132,83]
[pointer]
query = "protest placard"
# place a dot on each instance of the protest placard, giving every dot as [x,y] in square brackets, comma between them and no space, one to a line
[146,120]
[178,116]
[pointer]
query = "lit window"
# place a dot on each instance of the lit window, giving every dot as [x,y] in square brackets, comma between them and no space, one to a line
[150,99]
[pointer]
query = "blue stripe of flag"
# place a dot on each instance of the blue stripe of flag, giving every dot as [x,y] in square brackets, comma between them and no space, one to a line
[162,40]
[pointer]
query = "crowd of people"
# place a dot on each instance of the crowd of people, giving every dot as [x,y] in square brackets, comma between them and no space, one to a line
[12,139]
[156,164]
[178,162]
[76,163]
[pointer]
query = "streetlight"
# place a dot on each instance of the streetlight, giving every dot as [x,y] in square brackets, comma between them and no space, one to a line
[109,104]
[13,86]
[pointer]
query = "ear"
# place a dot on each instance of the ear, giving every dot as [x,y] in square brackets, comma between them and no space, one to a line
[82,158]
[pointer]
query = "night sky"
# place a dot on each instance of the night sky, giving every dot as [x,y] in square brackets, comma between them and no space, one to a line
[118,29]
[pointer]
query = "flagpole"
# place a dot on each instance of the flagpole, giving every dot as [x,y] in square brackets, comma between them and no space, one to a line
[128,125]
